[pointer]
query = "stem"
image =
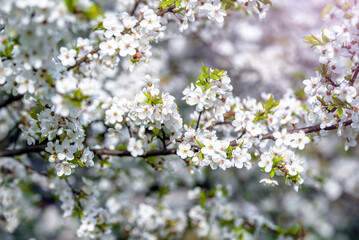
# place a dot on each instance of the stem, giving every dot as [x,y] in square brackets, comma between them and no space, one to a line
[129,129]
[83,59]
[135,7]
[9,100]
[355,75]
[198,120]
[163,138]
[75,193]
[331,81]
[159,152]
[166,10]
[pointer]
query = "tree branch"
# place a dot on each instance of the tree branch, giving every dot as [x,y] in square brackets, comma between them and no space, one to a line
[83,59]
[355,75]
[310,129]
[132,12]
[27,149]
[198,120]
[159,152]
[9,100]
[166,10]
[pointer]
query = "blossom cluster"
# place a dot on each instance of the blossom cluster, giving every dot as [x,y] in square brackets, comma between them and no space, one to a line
[189,11]
[211,93]
[67,152]
[252,120]
[332,93]
[73,101]
[11,196]
[149,110]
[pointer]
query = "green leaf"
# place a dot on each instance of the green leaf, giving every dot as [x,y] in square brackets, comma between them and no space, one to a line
[337,101]
[42,139]
[163,191]
[326,10]
[177,4]
[33,115]
[324,37]
[166,3]
[321,100]
[277,160]
[267,2]
[331,106]
[79,162]
[269,102]
[340,111]
[272,173]
[202,199]
[313,40]
[71,5]
[147,95]
[156,131]
[93,12]
[227,4]
[98,27]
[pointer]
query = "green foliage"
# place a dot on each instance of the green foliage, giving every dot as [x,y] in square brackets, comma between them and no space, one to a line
[153,100]
[266,2]
[316,41]
[166,3]
[71,5]
[77,212]
[227,4]
[8,47]
[36,110]
[76,98]
[268,106]
[163,191]
[327,9]
[92,12]
[99,27]
[206,76]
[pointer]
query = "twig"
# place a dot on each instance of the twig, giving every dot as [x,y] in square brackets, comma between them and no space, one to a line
[331,81]
[163,138]
[132,12]
[166,10]
[73,190]
[31,168]
[160,152]
[129,129]
[75,194]
[84,58]
[9,100]
[355,75]
[198,120]
[27,149]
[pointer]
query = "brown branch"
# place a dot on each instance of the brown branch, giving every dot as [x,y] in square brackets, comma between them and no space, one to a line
[160,152]
[310,129]
[84,58]
[9,100]
[198,120]
[27,149]
[119,153]
[355,75]
[166,10]
[331,81]
[132,12]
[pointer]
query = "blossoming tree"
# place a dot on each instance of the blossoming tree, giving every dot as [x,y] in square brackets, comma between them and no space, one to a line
[98,126]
